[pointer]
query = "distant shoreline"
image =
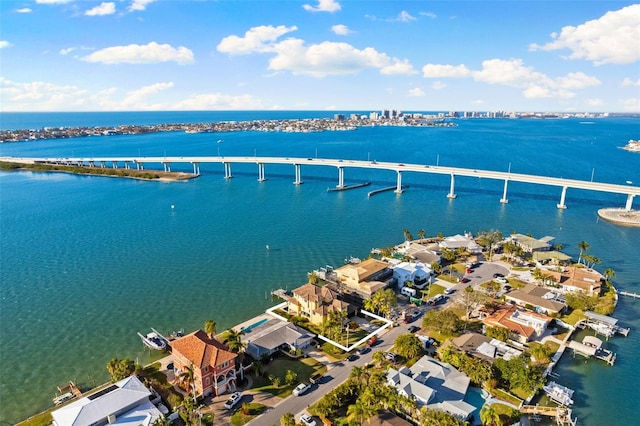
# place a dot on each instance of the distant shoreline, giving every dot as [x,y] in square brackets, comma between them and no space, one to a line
[149,175]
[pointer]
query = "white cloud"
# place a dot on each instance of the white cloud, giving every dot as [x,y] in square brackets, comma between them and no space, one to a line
[137,99]
[630,105]
[66,51]
[5,43]
[513,73]
[429,15]
[404,16]
[438,85]
[139,5]
[341,29]
[628,82]
[610,39]
[105,8]
[478,102]
[256,40]
[323,6]
[594,102]
[438,71]
[39,96]
[52,1]
[141,54]
[219,101]
[317,60]
[416,92]
[23,10]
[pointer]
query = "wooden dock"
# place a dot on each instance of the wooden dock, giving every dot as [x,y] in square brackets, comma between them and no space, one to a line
[629,294]
[561,414]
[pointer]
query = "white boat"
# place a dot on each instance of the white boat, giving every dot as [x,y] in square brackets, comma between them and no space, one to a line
[558,393]
[154,340]
[63,398]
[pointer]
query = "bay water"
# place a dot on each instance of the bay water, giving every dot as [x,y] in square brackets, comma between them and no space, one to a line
[86,261]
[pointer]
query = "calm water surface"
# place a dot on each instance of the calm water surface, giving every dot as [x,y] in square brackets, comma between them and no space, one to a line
[89,261]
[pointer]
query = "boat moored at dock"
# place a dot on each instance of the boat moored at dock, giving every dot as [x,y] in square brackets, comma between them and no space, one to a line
[154,340]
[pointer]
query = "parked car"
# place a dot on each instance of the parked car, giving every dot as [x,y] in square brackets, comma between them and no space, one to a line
[301,389]
[372,341]
[449,291]
[233,400]
[465,280]
[501,280]
[316,378]
[498,275]
[307,420]
[352,357]
[413,329]
[390,356]
[363,350]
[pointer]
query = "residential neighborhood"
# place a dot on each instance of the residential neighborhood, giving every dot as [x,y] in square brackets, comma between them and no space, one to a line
[452,330]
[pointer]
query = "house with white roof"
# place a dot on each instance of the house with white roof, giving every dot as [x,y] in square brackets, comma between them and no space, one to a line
[433,384]
[460,241]
[418,273]
[123,403]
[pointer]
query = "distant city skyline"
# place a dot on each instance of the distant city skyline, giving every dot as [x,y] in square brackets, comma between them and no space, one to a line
[335,55]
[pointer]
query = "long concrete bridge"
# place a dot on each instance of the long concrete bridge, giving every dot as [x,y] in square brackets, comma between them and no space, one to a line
[399,168]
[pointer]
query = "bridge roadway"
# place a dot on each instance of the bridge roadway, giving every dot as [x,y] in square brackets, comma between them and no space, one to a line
[399,168]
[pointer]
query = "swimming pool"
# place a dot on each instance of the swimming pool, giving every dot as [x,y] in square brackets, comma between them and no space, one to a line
[477,398]
[254,325]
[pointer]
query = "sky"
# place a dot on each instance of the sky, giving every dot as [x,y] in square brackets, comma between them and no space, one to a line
[342,55]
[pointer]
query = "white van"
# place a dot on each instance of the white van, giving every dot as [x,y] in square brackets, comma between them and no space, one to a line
[407,291]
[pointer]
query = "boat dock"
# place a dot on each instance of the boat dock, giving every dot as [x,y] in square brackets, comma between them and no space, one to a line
[281,293]
[561,414]
[605,325]
[590,347]
[347,187]
[389,188]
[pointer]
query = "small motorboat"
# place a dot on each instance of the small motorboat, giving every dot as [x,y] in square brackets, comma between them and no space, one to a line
[154,340]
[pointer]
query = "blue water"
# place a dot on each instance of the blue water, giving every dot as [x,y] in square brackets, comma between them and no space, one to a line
[86,262]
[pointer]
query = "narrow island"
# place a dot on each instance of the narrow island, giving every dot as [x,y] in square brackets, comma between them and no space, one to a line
[98,171]
[458,330]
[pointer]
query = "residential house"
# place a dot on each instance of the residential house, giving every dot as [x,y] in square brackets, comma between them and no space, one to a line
[124,402]
[483,347]
[529,244]
[417,273]
[274,334]
[524,325]
[573,278]
[538,298]
[364,278]
[433,384]
[425,254]
[315,302]
[460,241]
[214,370]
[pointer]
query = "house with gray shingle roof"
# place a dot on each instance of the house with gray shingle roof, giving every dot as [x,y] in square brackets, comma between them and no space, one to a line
[433,384]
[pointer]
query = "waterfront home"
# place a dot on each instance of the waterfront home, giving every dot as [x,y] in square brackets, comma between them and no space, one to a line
[124,402]
[275,334]
[524,325]
[425,254]
[314,302]
[433,384]
[417,273]
[364,278]
[483,347]
[538,298]
[574,278]
[530,245]
[465,242]
[213,364]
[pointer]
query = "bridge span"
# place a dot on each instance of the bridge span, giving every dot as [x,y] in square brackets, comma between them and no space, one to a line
[400,168]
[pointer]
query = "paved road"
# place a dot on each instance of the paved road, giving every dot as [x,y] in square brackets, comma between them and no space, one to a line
[337,373]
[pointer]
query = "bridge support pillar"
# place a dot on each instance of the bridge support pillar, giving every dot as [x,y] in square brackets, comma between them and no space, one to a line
[452,193]
[562,205]
[102,164]
[298,180]
[504,199]
[629,202]
[196,168]
[227,171]
[399,183]
[114,164]
[167,166]
[127,165]
[340,177]
[261,176]
[92,163]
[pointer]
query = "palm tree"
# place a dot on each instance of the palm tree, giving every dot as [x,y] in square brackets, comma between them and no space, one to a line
[583,246]
[489,416]
[422,234]
[210,328]
[407,235]
[361,411]
[609,273]
[235,344]
[187,379]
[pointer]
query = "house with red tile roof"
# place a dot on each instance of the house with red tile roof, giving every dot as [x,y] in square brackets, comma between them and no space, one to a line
[213,363]
[524,325]
[578,279]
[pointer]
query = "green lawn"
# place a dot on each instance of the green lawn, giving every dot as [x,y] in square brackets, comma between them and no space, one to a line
[253,409]
[432,290]
[304,367]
